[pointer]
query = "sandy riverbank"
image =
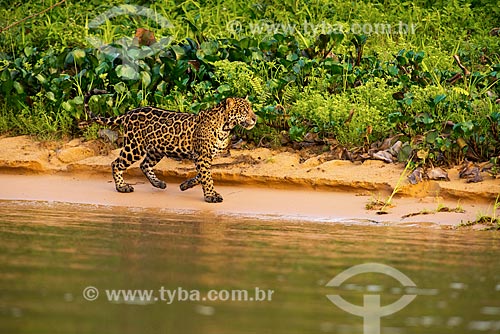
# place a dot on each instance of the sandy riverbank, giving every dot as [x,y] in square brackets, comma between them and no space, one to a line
[254,183]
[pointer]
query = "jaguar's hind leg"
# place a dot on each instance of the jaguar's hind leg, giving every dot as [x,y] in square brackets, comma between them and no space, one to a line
[147,165]
[118,166]
[190,183]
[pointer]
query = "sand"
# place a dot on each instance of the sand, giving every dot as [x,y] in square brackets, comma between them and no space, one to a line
[258,183]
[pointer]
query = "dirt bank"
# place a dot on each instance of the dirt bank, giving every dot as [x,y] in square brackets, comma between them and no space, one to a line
[253,182]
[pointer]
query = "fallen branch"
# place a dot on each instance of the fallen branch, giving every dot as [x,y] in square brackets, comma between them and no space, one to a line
[454,78]
[462,67]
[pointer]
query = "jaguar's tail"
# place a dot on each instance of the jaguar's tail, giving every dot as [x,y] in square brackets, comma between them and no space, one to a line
[106,121]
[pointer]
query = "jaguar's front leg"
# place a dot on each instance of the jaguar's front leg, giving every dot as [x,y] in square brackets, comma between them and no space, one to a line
[205,178]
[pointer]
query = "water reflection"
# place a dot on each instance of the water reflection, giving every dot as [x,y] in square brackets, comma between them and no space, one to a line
[50,252]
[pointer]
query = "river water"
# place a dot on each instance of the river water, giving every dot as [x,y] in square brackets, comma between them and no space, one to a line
[209,274]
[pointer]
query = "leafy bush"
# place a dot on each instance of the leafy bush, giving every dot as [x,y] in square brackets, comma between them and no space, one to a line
[353,119]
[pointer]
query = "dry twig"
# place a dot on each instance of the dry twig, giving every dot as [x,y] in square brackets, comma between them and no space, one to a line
[31,16]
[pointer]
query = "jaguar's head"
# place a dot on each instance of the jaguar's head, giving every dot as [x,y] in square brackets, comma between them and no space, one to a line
[239,112]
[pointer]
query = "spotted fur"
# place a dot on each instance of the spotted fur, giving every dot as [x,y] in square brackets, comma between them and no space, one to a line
[154,133]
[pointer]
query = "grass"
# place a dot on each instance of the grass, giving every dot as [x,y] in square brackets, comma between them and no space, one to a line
[440,208]
[491,221]
[375,204]
[382,206]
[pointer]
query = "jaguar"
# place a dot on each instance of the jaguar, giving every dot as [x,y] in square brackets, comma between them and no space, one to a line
[153,133]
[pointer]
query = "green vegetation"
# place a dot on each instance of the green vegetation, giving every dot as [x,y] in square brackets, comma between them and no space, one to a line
[440,208]
[488,221]
[381,206]
[309,67]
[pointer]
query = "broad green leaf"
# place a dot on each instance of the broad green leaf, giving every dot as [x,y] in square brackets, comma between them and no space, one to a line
[67,106]
[337,37]
[297,133]
[5,76]
[127,72]
[419,56]
[145,78]
[78,99]
[224,88]
[405,153]
[431,136]
[76,56]
[79,55]
[51,96]
[337,69]
[439,98]
[402,60]
[102,68]
[393,70]
[291,56]
[41,78]
[426,118]
[210,47]
[18,87]
[134,53]
[179,51]
[28,51]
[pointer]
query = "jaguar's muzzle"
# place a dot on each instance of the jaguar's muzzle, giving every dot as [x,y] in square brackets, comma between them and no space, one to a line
[250,121]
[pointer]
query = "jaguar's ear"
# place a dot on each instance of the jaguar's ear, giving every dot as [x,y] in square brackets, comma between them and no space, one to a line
[229,123]
[229,102]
